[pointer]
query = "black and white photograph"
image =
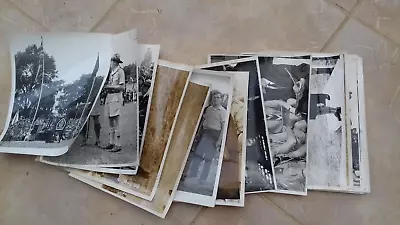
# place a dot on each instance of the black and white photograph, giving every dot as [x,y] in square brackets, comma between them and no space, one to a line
[126,170]
[146,67]
[353,126]
[200,178]
[53,81]
[365,186]
[327,133]
[285,88]
[109,137]
[259,167]
[214,58]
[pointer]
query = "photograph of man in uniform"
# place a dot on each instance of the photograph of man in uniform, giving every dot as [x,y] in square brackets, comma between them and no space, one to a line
[114,101]
[206,148]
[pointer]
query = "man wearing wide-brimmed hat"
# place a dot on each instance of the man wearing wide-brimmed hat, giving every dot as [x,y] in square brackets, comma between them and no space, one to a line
[114,87]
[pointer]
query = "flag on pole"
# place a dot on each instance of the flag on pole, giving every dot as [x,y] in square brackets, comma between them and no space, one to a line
[96,66]
[41,47]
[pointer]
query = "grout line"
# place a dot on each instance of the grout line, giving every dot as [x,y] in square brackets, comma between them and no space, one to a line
[397,44]
[100,21]
[335,33]
[350,15]
[279,209]
[27,15]
[197,215]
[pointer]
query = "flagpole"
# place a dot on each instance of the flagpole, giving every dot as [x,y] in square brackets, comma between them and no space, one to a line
[90,92]
[41,87]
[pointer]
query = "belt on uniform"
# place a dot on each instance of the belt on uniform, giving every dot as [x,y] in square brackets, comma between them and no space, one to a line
[113,92]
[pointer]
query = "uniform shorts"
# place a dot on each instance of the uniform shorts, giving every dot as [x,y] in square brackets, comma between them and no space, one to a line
[113,108]
[113,104]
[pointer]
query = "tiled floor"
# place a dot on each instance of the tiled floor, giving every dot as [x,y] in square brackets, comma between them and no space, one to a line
[31,193]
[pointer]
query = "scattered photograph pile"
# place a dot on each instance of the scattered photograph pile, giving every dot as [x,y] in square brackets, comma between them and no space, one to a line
[151,132]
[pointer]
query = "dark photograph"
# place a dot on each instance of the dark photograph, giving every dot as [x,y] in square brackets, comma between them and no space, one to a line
[214,58]
[326,122]
[259,174]
[56,80]
[285,85]
[109,136]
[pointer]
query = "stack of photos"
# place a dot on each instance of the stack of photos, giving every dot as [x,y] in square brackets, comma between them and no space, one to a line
[152,132]
[329,149]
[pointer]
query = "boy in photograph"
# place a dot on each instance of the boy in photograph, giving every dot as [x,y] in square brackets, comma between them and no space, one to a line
[210,139]
[114,100]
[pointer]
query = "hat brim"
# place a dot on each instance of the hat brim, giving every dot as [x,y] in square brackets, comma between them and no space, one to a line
[117,60]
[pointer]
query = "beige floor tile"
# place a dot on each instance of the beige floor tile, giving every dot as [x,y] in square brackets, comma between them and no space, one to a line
[68,15]
[33,193]
[188,30]
[382,82]
[257,211]
[344,4]
[384,15]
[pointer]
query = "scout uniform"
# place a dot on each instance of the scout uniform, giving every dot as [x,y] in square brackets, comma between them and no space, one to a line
[113,104]
[114,100]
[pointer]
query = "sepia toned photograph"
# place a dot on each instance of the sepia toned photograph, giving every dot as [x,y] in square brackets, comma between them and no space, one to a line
[109,136]
[259,165]
[231,187]
[169,89]
[146,67]
[285,89]
[182,138]
[202,171]
[56,78]
[326,136]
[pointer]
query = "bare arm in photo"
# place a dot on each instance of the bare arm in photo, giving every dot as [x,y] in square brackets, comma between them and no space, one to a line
[287,146]
[221,136]
[300,152]
[278,103]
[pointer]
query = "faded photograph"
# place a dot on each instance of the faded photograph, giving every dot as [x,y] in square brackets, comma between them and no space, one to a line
[109,136]
[56,78]
[232,178]
[285,88]
[259,174]
[325,134]
[147,63]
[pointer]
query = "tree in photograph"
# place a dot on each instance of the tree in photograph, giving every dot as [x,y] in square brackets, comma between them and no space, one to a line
[146,67]
[145,73]
[130,73]
[29,76]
